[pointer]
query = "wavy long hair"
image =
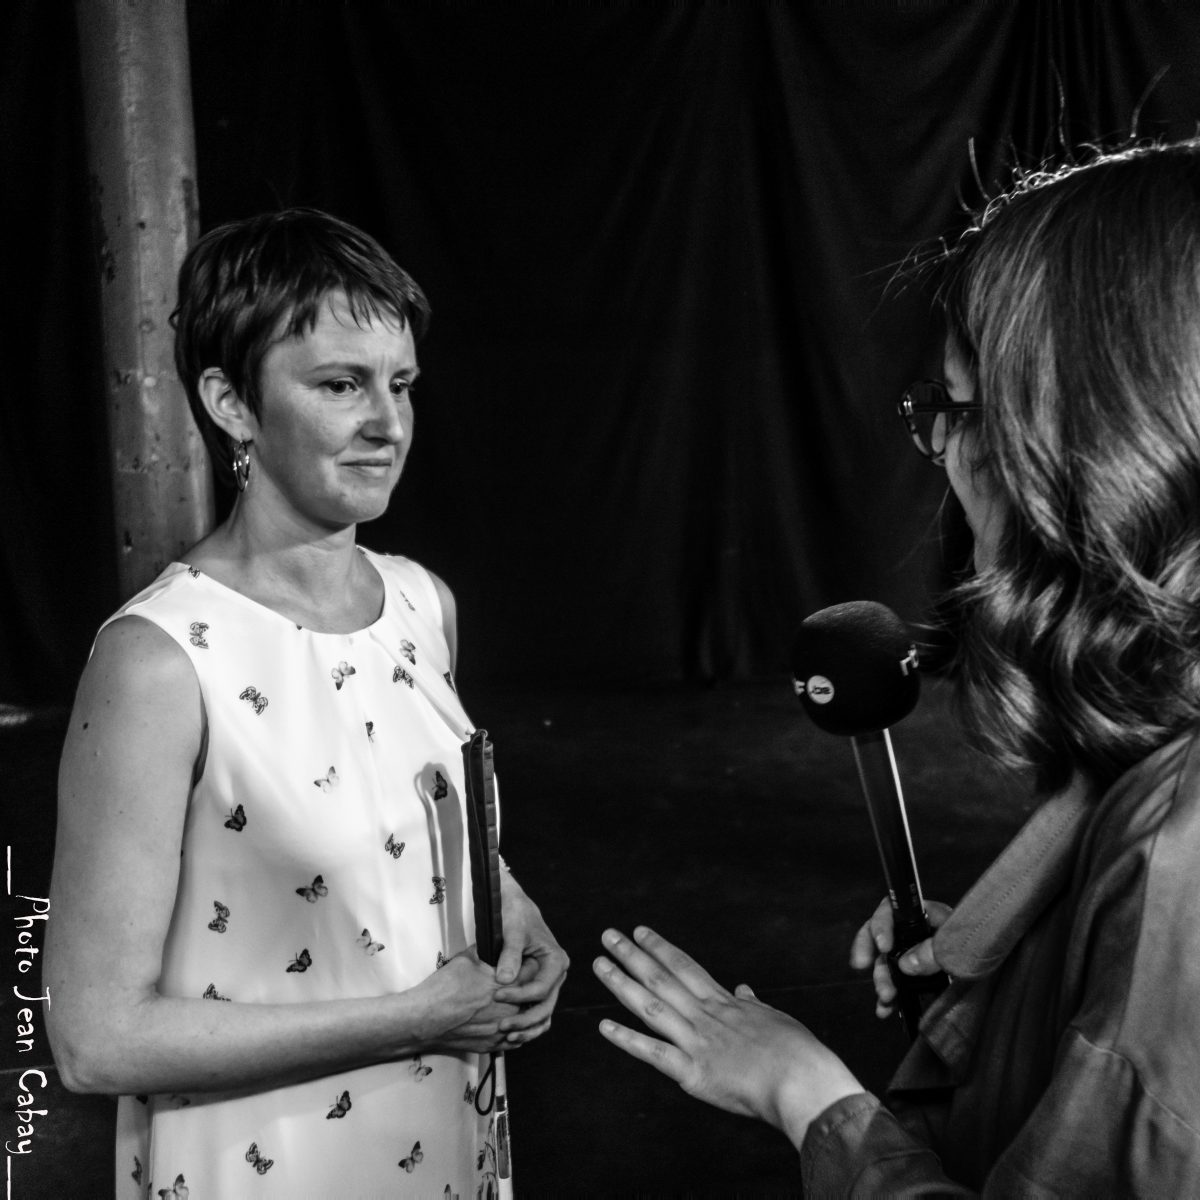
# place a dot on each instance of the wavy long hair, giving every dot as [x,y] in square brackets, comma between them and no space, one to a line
[1076,300]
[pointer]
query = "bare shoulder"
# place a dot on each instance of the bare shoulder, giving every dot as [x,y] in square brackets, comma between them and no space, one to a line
[138,694]
[449,615]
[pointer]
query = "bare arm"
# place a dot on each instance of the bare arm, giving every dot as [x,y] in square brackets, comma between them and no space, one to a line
[127,769]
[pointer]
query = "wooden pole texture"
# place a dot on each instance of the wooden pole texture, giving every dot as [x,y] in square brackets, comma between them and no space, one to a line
[142,173]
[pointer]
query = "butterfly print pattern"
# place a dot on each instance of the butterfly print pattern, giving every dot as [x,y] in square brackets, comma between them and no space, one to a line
[178,1191]
[409,1164]
[411,606]
[341,673]
[300,963]
[371,731]
[450,681]
[439,890]
[329,782]
[441,789]
[393,847]
[194,572]
[211,993]
[237,819]
[418,1070]
[369,946]
[257,1161]
[409,651]
[469,1094]
[314,893]
[341,1106]
[442,960]
[136,1173]
[197,630]
[217,924]
[400,675]
[254,699]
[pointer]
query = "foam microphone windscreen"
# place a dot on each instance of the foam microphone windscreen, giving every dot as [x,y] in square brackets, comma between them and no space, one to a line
[854,668]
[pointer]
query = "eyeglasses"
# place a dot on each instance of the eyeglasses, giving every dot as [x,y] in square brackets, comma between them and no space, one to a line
[930,415]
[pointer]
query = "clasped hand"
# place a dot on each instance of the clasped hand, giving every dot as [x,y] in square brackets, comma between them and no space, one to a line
[728,1049]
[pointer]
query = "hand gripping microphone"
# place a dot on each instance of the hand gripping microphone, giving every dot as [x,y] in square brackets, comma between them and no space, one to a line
[854,669]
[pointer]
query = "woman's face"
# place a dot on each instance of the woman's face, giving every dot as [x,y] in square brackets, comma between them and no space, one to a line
[975,491]
[336,420]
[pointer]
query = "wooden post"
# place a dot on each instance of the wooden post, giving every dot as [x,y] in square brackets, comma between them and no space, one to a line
[142,173]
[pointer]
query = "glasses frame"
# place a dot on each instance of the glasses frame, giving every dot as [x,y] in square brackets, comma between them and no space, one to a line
[909,409]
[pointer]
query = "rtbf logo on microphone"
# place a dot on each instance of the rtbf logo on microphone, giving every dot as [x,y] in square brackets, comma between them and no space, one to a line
[818,689]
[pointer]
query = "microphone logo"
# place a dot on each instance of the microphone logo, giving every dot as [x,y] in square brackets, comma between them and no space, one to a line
[818,689]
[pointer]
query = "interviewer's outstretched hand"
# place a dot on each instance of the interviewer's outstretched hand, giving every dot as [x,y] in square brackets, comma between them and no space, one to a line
[873,941]
[727,1049]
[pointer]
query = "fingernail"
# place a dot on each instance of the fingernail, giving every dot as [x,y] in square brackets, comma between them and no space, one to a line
[640,932]
[610,937]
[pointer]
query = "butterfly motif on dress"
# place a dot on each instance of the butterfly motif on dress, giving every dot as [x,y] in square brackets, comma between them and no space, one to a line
[439,890]
[314,893]
[441,789]
[409,1164]
[442,960]
[418,1069]
[194,572]
[197,630]
[329,782]
[237,819]
[217,924]
[301,962]
[256,1160]
[469,1094]
[450,681]
[178,1190]
[449,1195]
[369,946]
[370,731]
[341,1106]
[341,673]
[401,675]
[211,993]
[136,1173]
[411,606]
[393,847]
[409,651]
[257,700]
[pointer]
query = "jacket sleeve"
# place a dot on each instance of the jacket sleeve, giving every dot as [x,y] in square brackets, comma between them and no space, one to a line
[1097,1131]
[856,1147]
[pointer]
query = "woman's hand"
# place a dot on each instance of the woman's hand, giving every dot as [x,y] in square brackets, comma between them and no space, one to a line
[874,941]
[461,1006]
[532,966]
[729,1050]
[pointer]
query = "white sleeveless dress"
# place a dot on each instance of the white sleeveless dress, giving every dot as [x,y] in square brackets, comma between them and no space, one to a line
[324,857]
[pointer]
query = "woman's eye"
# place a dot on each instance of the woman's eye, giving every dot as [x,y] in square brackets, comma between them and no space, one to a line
[402,388]
[340,387]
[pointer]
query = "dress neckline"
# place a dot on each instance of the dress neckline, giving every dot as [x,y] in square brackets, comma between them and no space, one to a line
[242,598]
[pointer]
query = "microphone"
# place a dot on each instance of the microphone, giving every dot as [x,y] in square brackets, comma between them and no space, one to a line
[854,669]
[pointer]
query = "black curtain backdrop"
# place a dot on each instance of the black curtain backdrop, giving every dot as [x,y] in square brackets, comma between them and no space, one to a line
[655,426]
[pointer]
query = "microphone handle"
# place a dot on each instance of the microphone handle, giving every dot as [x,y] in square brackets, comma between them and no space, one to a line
[889,822]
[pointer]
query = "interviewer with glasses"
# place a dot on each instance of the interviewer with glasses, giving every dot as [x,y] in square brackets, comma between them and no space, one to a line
[1064,1057]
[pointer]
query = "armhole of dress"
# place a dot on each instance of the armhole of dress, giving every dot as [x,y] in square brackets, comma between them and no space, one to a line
[202,753]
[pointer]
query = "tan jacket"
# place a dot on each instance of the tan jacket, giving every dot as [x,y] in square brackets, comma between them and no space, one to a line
[1064,1059]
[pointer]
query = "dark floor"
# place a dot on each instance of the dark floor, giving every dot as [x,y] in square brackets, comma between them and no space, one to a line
[718,816]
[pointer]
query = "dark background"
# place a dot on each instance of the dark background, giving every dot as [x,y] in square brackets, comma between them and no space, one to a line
[655,426]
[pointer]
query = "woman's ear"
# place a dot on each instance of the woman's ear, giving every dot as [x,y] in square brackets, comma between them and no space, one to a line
[228,411]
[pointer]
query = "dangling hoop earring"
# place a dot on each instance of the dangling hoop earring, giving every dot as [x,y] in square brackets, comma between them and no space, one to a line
[241,465]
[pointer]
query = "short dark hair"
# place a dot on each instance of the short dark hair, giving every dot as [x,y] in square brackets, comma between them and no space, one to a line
[247,284]
[1076,300]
